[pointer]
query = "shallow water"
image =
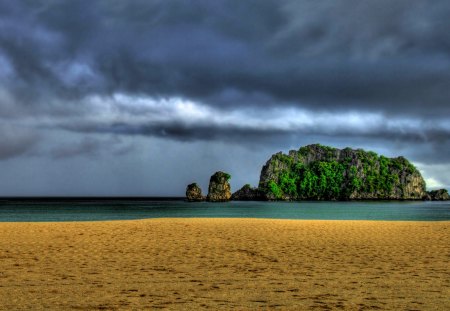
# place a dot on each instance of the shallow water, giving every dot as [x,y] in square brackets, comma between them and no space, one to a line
[15,211]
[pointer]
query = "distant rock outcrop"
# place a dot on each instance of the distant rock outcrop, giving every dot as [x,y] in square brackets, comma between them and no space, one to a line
[247,193]
[219,189]
[438,195]
[194,193]
[317,172]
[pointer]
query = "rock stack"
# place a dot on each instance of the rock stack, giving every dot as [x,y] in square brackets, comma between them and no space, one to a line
[194,193]
[219,189]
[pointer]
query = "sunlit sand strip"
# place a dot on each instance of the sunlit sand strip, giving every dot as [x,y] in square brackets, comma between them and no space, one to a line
[225,264]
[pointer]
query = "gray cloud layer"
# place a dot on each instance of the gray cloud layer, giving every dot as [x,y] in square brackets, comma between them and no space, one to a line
[382,56]
[240,63]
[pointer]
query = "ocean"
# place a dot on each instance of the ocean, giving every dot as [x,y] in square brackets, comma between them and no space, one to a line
[123,209]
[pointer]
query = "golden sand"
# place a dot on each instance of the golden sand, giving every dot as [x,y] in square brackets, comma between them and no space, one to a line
[236,264]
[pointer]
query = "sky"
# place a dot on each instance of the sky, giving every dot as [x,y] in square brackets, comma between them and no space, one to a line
[125,98]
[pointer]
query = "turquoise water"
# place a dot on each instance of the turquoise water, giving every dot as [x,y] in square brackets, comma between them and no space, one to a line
[118,210]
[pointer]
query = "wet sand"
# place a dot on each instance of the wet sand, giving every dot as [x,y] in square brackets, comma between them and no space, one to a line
[236,264]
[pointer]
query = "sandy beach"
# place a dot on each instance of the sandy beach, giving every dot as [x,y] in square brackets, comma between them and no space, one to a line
[240,264]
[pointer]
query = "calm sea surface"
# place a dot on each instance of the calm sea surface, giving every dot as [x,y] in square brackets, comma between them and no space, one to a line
[114,210]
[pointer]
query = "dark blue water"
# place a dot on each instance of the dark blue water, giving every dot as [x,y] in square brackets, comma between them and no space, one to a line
[115,210]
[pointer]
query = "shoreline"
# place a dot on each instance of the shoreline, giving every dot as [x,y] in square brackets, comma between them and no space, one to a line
[222,218]
[39,199]
[225,263]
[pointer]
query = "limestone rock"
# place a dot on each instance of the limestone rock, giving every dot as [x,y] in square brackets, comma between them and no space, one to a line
[438,195]
[247,193]
[194,193]
[317,172]
[219,189]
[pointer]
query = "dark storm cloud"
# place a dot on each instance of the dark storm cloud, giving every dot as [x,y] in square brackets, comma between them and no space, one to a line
[385,57]
[433,139]
[184,132]
[370,55]
[228,132]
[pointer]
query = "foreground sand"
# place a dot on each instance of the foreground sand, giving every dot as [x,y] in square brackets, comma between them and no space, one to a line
[225,263]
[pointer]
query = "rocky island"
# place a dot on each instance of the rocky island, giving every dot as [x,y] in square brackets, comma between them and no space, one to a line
[317,172]
[194,193]
[219,189]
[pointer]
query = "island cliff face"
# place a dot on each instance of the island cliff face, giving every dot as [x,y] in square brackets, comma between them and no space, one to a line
[317,172]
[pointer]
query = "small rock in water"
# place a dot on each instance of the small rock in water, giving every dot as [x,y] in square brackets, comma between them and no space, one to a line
[194,193]
[438,195]
[247,193]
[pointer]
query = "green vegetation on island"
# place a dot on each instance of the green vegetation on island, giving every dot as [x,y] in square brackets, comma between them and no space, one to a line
[318,172]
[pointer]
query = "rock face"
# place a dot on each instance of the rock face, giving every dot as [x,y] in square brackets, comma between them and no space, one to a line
[194,193]
[219,189]
[438,195]
[247,193]
[317,172]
